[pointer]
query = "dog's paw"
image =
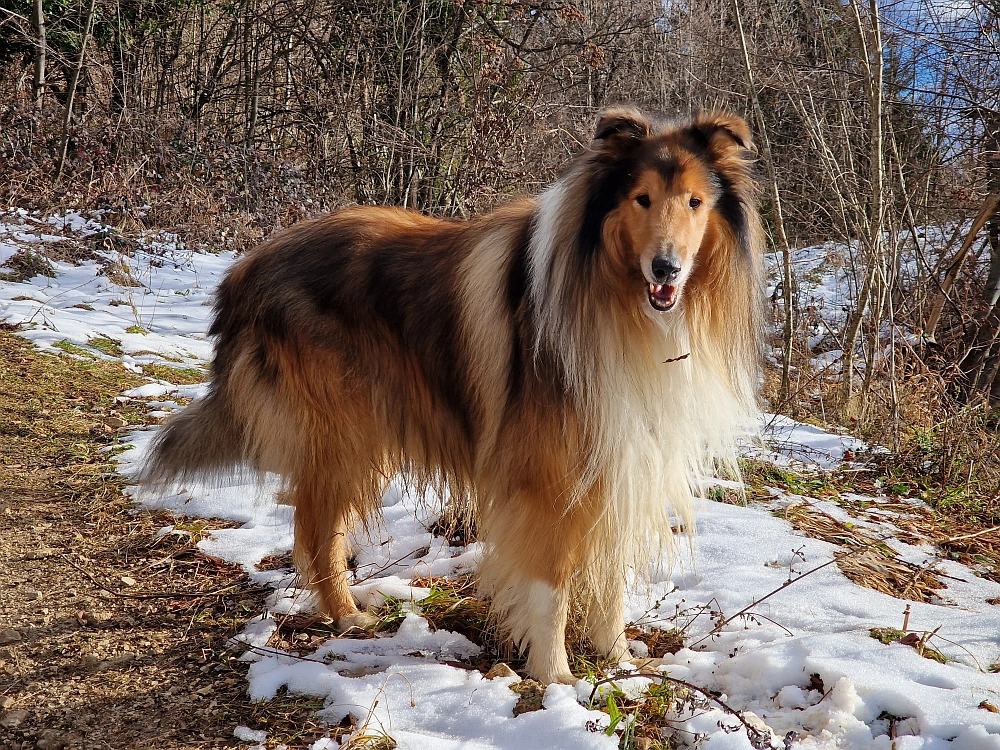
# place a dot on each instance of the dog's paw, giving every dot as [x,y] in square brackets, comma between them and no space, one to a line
[547,671]
[561,676]
[356,621]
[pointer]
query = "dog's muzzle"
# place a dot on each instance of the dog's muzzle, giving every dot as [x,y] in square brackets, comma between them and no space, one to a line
[662,290]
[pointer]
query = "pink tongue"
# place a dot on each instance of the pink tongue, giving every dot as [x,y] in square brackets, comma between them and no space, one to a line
[663,293]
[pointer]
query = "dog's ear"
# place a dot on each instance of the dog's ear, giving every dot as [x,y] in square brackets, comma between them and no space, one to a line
[620,122]
[721,132]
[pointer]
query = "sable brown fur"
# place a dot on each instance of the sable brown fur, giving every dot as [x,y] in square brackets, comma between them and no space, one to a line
[518,359]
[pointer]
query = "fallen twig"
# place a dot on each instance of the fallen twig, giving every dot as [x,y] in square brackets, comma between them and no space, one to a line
[963,537]
[718,628]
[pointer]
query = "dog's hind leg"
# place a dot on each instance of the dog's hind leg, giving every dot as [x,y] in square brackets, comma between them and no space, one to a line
[322,523]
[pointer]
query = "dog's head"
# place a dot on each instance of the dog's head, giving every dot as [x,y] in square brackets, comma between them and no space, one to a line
[666,202]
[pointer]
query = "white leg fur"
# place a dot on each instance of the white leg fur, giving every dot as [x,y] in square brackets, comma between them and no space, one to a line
[606,626]
[544,633]
[357,620]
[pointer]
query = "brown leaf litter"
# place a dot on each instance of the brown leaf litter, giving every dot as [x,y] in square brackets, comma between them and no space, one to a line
[112,637]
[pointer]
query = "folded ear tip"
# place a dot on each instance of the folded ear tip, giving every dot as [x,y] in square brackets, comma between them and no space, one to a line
[734,125]
[623,120]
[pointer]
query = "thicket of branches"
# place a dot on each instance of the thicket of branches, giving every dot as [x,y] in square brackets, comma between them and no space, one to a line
[233,117]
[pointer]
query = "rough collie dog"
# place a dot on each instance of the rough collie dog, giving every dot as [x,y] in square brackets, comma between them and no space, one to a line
[568,365]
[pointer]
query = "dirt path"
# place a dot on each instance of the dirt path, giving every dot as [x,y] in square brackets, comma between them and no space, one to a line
[105,641]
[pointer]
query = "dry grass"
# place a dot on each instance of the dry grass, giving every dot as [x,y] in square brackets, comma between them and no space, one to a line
[176,375]
[918,641]
[658,642]
[874,564]
[26,264]
[902,498]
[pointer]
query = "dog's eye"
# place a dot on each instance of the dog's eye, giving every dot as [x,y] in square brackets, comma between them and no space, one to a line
[642,200]
[694,202]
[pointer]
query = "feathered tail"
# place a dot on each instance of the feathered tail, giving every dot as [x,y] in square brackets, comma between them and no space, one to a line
[200,442]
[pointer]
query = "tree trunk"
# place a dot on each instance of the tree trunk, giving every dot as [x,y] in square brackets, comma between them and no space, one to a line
[871,287]
[986,213]
[71,89]
[980,364]
[207,91]
[38,19]
[787,287]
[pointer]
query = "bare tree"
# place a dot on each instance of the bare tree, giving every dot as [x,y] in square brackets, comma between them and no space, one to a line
[71,88]
[38,19]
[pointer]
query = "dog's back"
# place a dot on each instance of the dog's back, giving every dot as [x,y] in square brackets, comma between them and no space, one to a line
[363,305]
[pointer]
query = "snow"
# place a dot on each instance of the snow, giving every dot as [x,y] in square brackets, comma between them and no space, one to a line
[826,280]
[407,685]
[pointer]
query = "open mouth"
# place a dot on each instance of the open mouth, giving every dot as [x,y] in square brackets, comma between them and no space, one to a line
[662,296]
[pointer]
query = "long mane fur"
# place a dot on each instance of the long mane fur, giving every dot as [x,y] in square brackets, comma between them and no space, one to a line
[663,397]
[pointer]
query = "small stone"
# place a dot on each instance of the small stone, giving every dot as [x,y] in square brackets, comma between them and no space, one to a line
[32,596]
[500,669]
[51,740]
[40,553]
[9,636]
[6,702]
[13,719]
[531,694]
[128,580]
[123,659]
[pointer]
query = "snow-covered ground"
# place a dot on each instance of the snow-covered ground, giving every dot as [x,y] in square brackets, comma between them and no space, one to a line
[802,662]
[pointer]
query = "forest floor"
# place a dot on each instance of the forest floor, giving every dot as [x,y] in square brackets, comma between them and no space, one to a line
[111,636]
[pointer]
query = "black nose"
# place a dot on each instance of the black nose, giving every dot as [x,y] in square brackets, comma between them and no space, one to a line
[665,268]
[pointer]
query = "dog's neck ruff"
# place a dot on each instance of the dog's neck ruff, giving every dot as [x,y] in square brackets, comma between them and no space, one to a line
[655,422]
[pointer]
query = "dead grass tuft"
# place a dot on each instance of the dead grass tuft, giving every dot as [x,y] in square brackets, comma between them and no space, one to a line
[917,640]
[25,265]
[107,345]
[275,562]
[69,251]
[658,642]
[874,564]
[290,720]
[176,375]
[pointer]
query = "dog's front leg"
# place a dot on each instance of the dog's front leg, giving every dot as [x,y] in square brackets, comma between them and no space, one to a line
[528,580]
[544,609]
[606,620]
